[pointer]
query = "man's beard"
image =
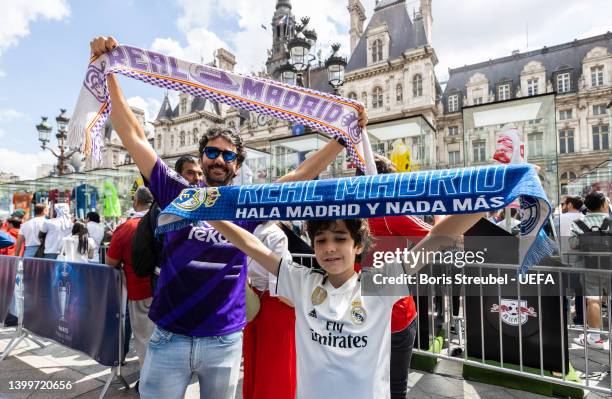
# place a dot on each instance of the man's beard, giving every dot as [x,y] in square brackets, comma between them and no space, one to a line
[217,181]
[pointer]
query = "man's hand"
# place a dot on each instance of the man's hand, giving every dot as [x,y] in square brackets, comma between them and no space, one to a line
[124,122]
[102,44]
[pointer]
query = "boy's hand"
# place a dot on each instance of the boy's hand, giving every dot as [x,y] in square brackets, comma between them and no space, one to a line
[101,44]
[363,117]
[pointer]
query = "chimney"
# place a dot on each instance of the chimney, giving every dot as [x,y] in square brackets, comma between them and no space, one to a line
[225,60]
[357,14]
[427,18]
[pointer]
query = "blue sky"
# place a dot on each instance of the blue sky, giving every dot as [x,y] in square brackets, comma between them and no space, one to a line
[44,45]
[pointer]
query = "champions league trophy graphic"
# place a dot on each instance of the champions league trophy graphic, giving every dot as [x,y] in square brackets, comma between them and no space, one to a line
[64,288]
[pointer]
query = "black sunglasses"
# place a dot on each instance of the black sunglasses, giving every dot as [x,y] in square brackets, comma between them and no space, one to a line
[214,152]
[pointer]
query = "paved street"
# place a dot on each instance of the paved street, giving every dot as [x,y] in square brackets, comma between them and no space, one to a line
[56,363]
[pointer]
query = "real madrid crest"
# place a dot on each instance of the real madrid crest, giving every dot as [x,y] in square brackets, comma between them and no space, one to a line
[358,313]
[318,296]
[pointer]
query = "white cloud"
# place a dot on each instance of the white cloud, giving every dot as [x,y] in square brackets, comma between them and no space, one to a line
[150,106]
[596,30]
[478,30]
[23,164]
[8,114]
[16,17]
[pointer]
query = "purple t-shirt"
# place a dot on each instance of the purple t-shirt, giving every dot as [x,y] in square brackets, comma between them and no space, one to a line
[200,290]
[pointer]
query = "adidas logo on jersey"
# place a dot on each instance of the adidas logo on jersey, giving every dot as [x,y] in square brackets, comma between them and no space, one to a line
[313,313]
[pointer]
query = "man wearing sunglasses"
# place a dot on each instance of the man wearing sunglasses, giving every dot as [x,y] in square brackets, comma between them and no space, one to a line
[199,306]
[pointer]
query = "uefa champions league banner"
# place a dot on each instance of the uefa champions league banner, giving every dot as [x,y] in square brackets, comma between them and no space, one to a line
[436,192]
[8,273]
[334,115]
[75,304]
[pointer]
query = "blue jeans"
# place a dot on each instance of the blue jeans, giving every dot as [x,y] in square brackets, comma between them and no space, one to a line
[30,251]
[172,359]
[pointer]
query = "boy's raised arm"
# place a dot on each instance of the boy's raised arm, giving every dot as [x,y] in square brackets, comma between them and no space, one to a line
[249,244]
[442,235]
[313,166]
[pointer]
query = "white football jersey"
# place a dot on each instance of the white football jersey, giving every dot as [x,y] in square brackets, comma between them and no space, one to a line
[343,339]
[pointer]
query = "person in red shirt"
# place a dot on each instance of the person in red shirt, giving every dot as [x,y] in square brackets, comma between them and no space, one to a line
[12,228]
[403,317]
[138,288]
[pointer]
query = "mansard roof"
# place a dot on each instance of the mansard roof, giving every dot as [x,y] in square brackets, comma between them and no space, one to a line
[404,34]
[166,111]
[197,104]
[566,57]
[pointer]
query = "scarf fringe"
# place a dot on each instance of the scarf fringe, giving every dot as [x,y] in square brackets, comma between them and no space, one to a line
[540,248]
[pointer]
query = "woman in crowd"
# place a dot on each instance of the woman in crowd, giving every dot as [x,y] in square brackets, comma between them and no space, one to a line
[78,247]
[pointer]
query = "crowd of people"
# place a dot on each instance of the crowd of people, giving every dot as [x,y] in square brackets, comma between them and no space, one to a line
[579,220]
[313,334]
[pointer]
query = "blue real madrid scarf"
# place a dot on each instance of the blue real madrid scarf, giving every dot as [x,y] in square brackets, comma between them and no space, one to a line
[436,192]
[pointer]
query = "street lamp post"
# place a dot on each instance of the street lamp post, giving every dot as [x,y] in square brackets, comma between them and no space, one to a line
[44,131]
[335,68]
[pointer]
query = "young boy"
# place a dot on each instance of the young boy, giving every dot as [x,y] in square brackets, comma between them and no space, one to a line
[342,336]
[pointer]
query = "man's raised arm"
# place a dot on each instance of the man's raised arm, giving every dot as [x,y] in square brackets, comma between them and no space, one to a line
[315,164]
[124,122]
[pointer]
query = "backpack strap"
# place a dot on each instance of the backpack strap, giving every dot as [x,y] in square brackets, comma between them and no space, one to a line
[582,226]
[605,225]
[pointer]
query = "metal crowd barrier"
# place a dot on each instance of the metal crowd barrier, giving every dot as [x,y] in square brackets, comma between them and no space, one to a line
[592,366]
[22,333]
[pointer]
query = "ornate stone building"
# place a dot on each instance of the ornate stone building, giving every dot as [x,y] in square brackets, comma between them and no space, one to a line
[391,67]
[577,76]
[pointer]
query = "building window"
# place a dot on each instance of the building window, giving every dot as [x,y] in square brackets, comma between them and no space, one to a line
[566,141]
[599,109]
[565,114]
[399,93]
[352,95]
[532,87]
[182,138]
[377,97]
[503,92]
[453,157]
[479,151]
[417,85]
[600,137]
[195,136]
[377,50]
[453,130]
[453,103]
[159,141]
[183,106]
[171,141]
[566,177]
[563,82]
[364,98]
[477,100]
[535,144]
[597,75]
